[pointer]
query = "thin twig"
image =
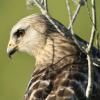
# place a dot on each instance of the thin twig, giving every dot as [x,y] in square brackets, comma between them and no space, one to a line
[80,4]
[90,62]
[70,16]
[71,25]
[75,15]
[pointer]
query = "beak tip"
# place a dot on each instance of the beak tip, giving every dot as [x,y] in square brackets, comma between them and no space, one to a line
[10,51]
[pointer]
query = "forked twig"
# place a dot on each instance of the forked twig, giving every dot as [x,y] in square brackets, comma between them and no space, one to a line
[72,21]
[75,15]
[80,4]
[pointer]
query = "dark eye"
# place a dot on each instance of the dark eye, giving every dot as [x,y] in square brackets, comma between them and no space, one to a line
[19,33]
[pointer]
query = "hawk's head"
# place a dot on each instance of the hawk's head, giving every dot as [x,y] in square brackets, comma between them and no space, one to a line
[37,36]
[28,35]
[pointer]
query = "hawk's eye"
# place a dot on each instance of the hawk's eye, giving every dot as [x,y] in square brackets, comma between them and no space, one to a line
[19,33]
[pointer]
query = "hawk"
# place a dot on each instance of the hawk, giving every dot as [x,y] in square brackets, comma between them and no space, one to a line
[61,69]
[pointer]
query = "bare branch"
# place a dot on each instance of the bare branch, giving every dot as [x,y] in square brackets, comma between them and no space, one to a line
[90,62]
[90,78]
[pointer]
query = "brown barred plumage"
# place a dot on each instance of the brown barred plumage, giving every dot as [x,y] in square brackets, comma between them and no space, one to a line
[61,67]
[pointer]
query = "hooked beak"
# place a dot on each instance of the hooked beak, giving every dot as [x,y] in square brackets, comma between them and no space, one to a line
[11,51]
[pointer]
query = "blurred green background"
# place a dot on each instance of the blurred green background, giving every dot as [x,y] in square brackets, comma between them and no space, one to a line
[15,73]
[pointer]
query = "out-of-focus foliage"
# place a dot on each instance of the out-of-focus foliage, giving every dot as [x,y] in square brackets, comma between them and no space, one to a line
[15,73]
